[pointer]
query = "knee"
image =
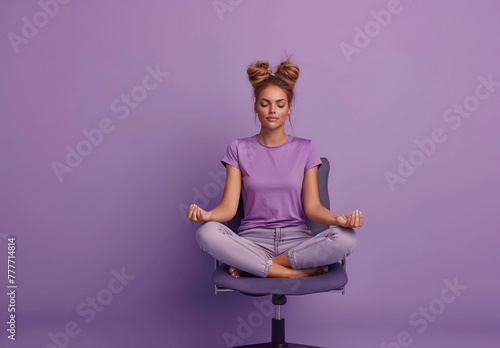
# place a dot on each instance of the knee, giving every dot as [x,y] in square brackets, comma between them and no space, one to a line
[205,230]
[206,233]
[346,237]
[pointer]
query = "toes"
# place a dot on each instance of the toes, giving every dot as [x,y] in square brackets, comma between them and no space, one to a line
[234,272]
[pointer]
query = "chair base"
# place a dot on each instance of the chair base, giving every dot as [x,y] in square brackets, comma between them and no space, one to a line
[276,345]
[278,331]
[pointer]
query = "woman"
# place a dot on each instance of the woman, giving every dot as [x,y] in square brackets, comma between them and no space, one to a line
[279,174]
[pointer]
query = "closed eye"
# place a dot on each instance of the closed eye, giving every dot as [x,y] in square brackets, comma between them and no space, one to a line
[266,105]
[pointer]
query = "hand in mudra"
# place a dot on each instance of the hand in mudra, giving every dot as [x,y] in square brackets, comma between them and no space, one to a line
[354,219]
[197,214]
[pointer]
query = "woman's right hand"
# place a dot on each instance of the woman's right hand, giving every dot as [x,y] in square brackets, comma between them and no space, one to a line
[197,214]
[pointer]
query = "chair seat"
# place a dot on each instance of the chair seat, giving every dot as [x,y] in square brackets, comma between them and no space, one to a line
[334,279]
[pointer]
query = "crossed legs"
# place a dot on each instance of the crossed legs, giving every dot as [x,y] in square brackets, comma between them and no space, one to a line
[298,255]
[281,268]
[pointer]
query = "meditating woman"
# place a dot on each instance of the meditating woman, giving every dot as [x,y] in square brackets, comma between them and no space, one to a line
[279,176]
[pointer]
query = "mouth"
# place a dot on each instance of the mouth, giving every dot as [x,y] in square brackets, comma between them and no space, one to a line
[272,119]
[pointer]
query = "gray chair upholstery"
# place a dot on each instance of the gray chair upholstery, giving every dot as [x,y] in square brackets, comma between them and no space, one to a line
[333,281]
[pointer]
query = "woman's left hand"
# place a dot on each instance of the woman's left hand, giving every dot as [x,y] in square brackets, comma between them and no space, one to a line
[354,219]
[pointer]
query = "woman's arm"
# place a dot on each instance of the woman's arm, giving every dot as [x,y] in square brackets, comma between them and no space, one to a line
[315,211]
[228,206]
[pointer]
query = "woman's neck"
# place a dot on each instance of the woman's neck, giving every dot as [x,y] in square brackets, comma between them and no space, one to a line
[270,138]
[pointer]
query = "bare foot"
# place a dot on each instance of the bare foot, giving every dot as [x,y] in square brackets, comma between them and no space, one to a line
[235,272]
[308,272]
[280,271]
[286,272]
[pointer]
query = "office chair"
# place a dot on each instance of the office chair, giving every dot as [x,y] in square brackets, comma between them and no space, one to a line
[333,281]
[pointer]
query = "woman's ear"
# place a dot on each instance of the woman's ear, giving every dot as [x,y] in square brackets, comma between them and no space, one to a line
[289,109]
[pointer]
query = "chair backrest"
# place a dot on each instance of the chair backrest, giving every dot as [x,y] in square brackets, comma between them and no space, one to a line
[315,227]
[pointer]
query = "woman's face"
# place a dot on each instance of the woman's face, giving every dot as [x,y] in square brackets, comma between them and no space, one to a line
[272,107]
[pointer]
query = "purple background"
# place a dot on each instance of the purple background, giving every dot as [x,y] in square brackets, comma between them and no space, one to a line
[122,206]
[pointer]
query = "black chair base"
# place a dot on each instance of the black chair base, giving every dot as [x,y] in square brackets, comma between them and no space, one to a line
[277,345]
[278,331]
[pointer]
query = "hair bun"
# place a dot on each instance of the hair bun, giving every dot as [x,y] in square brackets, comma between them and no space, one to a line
[288,72]
[258,71]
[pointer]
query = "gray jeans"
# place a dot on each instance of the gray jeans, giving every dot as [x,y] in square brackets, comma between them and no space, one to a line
[252,250]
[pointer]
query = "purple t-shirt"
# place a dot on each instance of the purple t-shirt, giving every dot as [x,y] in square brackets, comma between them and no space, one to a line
[272,179]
